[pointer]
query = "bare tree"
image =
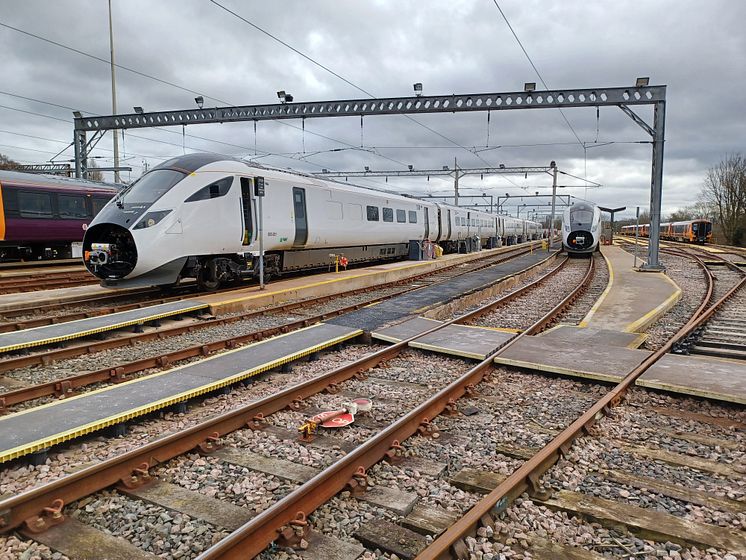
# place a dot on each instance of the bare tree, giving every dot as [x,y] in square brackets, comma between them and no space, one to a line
[7,163]
[93,174]
[725,190]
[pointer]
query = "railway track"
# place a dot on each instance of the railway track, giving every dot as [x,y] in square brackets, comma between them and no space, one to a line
[499,431]
[724,335]
[334,380]
[239,329]
[44,280]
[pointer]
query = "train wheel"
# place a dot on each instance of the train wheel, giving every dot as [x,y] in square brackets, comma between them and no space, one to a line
[206,277]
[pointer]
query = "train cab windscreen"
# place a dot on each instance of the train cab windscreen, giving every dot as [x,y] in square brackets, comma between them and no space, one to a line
[581,218]
[150,188]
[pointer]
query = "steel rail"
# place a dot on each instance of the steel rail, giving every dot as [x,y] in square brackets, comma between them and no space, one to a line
[131,468]
[41,321]
[449,544]
[117,374]
[254,536]
[47,356]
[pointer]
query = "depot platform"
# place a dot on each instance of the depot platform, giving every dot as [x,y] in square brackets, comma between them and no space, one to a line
[632,299]
[49,334]
[605,346]
[330,283]
[41,427]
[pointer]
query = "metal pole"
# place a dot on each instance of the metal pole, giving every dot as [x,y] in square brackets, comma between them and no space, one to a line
[117,179]
[637,235]
[455,182]
[553,165]
[659,124]
[261,245]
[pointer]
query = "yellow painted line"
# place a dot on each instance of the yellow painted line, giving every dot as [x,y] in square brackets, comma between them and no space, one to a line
[443,350]
[105,328]
[637,342]
[600,300]
[78,431]
[386,338]
[651,315]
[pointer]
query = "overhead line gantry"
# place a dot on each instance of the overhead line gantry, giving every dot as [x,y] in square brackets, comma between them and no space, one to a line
[623,97]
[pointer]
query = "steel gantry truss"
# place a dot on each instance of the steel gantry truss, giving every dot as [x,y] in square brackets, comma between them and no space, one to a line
[457,173]
[623,97]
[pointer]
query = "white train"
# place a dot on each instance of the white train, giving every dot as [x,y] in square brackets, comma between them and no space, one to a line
[195,216]
[581,225]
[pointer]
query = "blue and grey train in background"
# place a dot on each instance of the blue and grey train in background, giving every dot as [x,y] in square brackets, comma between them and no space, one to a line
[581,228]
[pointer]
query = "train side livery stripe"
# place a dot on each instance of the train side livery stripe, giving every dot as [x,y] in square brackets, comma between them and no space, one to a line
[2,215]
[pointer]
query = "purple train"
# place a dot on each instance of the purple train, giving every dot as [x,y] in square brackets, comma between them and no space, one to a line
[41,216]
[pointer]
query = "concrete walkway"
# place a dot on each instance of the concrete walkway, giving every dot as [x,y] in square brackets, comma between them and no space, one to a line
[632,299]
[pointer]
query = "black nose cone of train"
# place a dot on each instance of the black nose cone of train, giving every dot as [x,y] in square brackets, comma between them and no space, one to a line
[580,240]
[119,246]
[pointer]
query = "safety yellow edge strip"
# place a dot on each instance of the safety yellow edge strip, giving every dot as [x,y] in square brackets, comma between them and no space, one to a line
[600,300]
[179,397]
[88,332]
[643,322]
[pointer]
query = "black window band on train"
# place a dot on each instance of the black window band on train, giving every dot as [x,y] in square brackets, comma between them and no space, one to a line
[372,213]
[72,206]
[34,205]
[213,190]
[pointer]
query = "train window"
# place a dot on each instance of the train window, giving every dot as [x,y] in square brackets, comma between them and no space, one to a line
[401,216]
[71,206]
[213,190]
[372,212]
[34,205]
[412,217]
[150,187]
[98,204]
[388,215]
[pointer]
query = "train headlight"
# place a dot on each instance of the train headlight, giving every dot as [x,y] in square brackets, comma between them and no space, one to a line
[152,218]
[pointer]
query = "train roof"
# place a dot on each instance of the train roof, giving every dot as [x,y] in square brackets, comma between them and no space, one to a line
[189,163]
[55,181]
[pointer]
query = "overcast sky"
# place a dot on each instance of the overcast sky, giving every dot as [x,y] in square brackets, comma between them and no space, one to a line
[697,49]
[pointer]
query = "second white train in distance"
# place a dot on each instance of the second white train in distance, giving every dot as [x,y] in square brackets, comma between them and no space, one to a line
[196,216]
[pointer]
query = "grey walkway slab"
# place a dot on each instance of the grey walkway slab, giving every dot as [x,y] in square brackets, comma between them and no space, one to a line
[713,378]
[415,302]
[37,428]
[49,334]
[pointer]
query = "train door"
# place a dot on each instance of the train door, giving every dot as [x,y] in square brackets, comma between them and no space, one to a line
[468,224]
[440,224]
[301,222]
[448,236]
[248,230]
[427,223]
